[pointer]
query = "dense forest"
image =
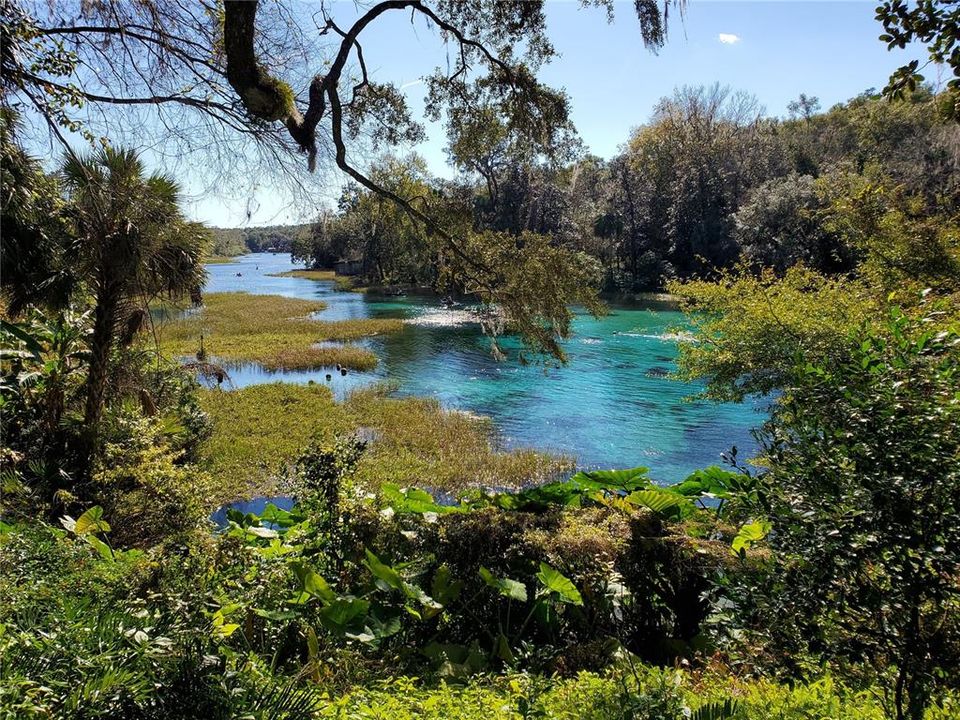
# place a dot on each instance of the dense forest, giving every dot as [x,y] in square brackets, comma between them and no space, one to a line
[402,562]
[229,242]
[707,183]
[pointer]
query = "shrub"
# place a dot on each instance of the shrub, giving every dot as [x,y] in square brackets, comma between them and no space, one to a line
[147,493]
[863,492]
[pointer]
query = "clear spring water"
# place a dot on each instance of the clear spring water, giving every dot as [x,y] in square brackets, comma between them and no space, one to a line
[612,405]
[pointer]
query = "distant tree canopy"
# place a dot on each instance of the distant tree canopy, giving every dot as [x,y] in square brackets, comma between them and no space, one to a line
[706,184]
[264,238]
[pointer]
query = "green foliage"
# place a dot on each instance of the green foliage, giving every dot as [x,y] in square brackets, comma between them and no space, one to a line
[323,477]
[35,262]
[390,245]
[933,22]
[749,534]
[780,224]
[749,328]
[650,695]
[267,238]
[43,358]
[862,494]
[905,247]
[124,243]
[511,589]
[554,582]
[141,480]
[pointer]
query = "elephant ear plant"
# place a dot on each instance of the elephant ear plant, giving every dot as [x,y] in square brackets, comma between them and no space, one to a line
[93,529]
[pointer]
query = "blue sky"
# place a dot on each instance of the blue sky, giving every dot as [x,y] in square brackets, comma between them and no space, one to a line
[774,50]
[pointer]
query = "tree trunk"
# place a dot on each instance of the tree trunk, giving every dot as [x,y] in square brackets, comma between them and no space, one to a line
[100,344]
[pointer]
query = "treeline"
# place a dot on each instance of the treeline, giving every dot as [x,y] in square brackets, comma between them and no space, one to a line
[709,181]
[270,238]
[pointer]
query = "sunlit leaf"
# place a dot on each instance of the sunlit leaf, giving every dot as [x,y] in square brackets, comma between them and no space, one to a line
[554,581]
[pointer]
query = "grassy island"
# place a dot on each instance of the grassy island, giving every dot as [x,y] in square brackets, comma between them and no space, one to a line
[276,332]
[259,430]
[307,274]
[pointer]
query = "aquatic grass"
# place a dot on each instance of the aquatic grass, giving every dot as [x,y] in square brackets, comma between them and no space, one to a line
[220,259]
[276,332]
[421,443]
[348,283]
[306,274]
[261,428]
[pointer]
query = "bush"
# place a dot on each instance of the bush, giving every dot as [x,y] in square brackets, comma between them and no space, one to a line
[148,494]
[863,495]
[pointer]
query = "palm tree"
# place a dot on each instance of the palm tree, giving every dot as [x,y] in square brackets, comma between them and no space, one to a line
[131,244]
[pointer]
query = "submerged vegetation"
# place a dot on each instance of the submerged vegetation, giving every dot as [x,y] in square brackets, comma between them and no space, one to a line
[274,331]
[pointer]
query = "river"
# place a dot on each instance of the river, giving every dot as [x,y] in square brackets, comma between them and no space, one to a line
[611,406]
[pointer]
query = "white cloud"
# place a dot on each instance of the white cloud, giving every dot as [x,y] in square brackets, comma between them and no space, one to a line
[411,84]
[728,38]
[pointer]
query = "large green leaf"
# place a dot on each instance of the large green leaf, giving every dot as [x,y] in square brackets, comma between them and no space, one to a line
[554,581]
[19,332]
[312,584]
[661,501]
[344,614]
[748,535]
[607,479]
[444,589]
[90,523]
[513,589]
[573,492]
[384,573]
[280,518]
[100,546]
[715,481]
[384,628]
[412,500]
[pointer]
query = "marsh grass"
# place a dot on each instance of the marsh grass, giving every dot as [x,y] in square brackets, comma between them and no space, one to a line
[420,443]
[277,332]
[258,430]
[307,274]
[347,283]
[220,259]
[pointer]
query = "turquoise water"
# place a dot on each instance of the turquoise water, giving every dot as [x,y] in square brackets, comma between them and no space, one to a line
[610,406]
